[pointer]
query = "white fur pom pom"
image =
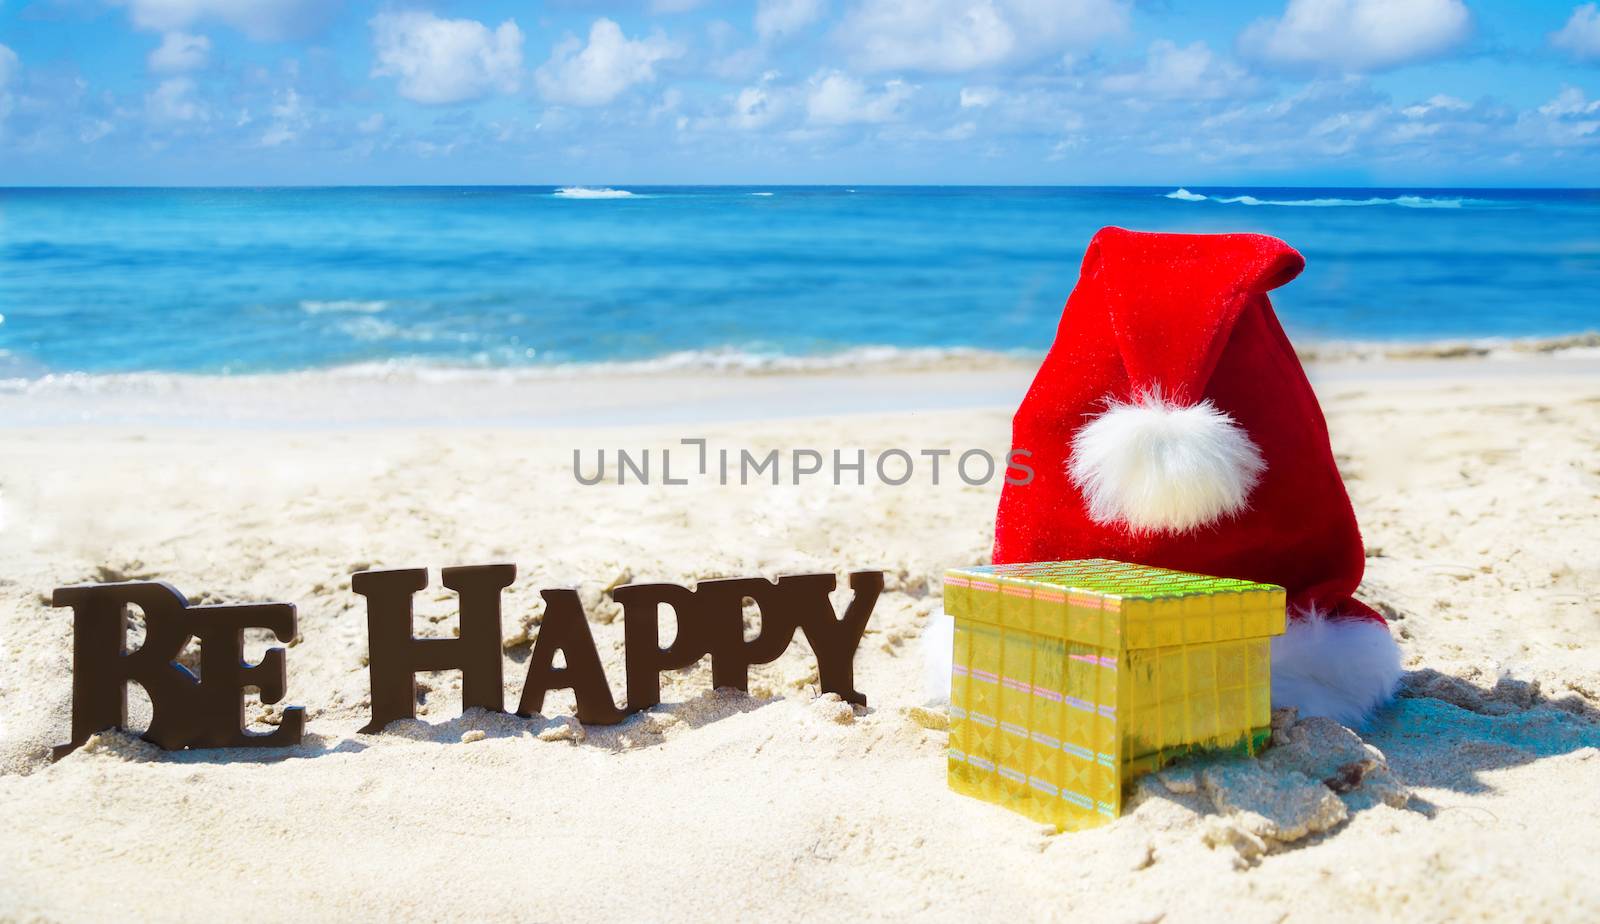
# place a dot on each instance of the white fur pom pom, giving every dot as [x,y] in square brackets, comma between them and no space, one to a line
[1339,668]
[1158,466]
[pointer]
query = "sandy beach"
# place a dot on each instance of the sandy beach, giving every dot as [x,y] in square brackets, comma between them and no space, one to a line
[1476,482]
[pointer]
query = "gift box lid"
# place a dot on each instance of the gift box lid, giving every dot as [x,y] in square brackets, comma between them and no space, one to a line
[1115,605]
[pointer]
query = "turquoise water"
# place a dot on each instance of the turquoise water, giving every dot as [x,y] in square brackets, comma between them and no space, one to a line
[265,280]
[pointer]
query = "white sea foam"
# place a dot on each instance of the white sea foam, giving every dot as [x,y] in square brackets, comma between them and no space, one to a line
[1409,202]
[377,330]
[761,194]
[864,357]
[343,306]
[487,367]
[483,367]
[591,192]
[370,329]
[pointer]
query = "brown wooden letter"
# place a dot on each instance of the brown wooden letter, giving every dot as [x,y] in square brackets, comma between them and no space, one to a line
[710,621]
[721,602]
[394,655]
[835,639]
[102,666]
[185,712]
[643,654]
[224,675]
[565,629]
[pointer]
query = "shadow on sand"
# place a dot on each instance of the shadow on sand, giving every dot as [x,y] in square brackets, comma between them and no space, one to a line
[643,729]
[1445,732]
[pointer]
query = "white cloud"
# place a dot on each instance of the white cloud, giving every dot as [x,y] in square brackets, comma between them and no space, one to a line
[173,101]
[756,107]
[671,101]
[9,66]
[1189,72]
[978,97]
[446,60]
[780,19]
[777,22]
[178,52]
[93,130]
[1581,35]
[372,124]
[836,98]
[289,119]
[1570,102]
[951,36]
[1338,121]
[1569,120]
[1355,36]
[597,73]
[1439,102]
[259,19]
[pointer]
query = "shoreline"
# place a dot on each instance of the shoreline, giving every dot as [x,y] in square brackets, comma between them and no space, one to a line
[735,361]
[629,397]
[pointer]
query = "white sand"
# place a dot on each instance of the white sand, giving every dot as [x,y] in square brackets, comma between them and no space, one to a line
[1477,484]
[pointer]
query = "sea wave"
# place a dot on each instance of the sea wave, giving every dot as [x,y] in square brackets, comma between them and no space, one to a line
[591,192]
[1409,202]
[761,194]
[343,306]
[727,361]
[732,361]
[1584,345]
[377,330]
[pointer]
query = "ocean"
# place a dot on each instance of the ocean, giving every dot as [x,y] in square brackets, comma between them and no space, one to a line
[240,281]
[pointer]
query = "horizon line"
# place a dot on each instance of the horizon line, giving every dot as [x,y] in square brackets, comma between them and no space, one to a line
[617,184]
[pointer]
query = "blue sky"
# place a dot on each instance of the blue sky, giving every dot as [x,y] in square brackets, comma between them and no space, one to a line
[1277,92]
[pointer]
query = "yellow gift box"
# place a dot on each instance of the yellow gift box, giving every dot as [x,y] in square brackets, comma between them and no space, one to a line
[1071,678]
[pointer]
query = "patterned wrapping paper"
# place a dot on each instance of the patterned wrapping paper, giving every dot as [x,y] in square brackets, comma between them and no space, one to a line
[1072,678]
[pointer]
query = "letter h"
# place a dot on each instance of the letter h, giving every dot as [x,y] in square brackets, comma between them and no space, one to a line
[394,655]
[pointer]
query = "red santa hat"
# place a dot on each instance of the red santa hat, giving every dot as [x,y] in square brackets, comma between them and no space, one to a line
[1171,424]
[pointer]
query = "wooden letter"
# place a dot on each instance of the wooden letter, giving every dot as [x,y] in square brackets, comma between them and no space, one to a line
[224,675]
[722,604]
[565,629]
[644,656]
[834,640]
[185,711]
[710,621]
[394,655]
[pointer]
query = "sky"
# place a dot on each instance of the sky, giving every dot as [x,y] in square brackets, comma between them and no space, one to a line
[1414,93]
